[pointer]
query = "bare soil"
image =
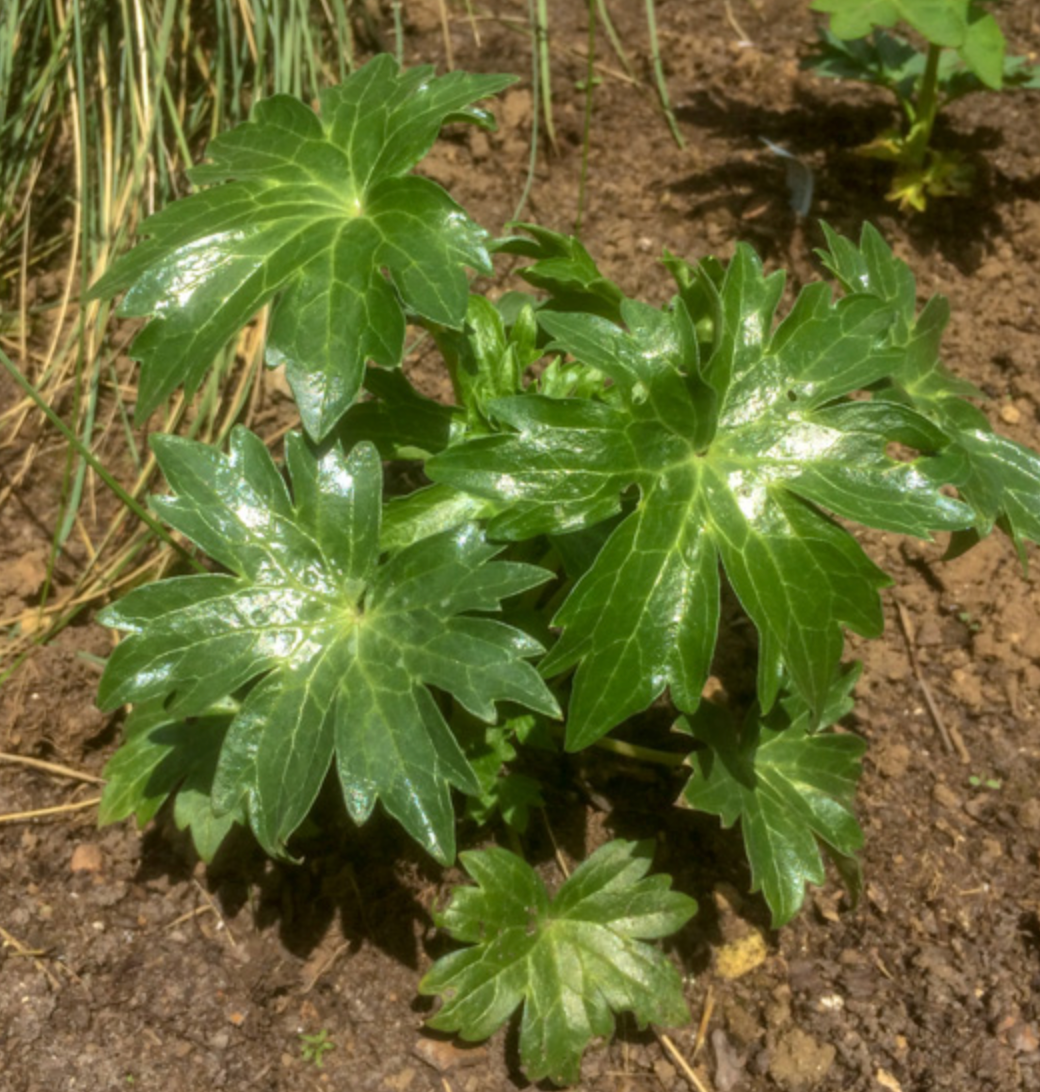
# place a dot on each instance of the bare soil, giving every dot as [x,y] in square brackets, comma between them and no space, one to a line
[124,963]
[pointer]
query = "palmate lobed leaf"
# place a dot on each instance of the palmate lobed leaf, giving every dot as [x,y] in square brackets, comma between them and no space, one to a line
[998,477]
[790,788]
[340,648]
[309,211]
[572,961]
[733,457]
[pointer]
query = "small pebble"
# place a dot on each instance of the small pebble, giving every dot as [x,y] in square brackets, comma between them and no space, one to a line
[944,795]
[86,857]
[1023,1038]
[1029,814]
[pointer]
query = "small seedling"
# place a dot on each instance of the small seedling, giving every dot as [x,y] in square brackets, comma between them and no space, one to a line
[608,468]
[964,52]
[977,782]
[967,619]
[313,1048]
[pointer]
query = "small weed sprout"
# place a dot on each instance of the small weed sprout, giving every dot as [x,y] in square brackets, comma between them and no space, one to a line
[314,1047]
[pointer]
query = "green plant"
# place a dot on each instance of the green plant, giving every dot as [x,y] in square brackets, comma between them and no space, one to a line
[607,467]
[313,1048]
[572,960]
[964,52]
[977,782]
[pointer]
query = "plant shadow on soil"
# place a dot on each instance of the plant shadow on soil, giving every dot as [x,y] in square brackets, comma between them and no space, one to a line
[849,189]
[374,885]
[364,883]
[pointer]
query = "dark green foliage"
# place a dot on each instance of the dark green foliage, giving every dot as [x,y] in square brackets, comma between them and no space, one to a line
[641,458]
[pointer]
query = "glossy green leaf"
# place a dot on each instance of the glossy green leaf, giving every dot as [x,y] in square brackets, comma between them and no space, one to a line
[165,757]
[309,210]
[790,788]
[572,961]
[401,422]
[1002,483]
[997,477]
[430,511]
[733,452]
[341,648]
[487,358]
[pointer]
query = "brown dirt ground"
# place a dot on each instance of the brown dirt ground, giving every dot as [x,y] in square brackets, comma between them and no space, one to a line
[153,972]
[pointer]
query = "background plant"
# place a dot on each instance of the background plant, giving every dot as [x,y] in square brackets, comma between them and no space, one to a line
[964,52]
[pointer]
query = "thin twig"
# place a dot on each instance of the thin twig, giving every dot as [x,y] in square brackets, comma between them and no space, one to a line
[532,153]
[541,30]
[556,849]
[659,78]
[19,948]
[473,23]
[702,1027]
[32,953]
[325,965]
[615,41]
[21,816]
[742,34]
[684,1065]
[216,910]
[51,767]
[951,740]
[586,136]
[193,913]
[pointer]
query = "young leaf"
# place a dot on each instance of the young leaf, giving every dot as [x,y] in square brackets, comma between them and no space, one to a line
[342,649]
[502,792]
[310,211]
[564,269]
[788,786]
[944,22]
[572,961]
[731,456]
[955,24]
[487,359]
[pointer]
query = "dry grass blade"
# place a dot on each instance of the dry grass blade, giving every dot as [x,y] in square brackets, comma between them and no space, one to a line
[540,28]
[35,954]
[951,738]
[41,813]
[684,1066]
[50,767]
[111,103]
